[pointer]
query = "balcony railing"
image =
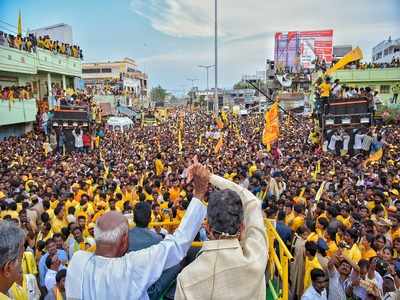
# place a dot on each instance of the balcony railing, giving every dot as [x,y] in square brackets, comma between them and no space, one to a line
[19,61]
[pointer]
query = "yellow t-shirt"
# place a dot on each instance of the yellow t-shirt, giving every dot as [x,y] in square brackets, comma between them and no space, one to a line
[395,234]
[346,222]
[332,248]
[159,167]
[4,297]
[354,253]
[297,222]
[50,213]
[308,267]
[28,264]
[368,254]
[325,89]
[174,193]
[58,224]
[313,237]
[289,218]
[12,213]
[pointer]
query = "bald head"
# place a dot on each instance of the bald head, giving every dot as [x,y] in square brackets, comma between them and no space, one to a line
[110,227]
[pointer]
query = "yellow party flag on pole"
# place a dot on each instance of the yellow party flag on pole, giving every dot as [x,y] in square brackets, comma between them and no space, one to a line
[180,146]
[218,146]
[320,191]
[19,23]
[377,155]
[353,55]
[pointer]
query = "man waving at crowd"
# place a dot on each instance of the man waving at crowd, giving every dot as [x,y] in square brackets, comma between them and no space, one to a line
[110,273]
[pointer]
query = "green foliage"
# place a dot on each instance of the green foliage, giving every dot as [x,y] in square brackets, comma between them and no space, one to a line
[158,94]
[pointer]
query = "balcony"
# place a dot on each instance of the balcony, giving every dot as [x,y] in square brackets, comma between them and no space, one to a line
[17,111]
[368,75]
[18,61]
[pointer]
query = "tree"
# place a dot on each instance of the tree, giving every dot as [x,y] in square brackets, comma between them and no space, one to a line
[245,85]
[158,94]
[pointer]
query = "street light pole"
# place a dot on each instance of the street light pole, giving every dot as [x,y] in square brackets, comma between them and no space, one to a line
[216,59]
[207,68]
[192,80]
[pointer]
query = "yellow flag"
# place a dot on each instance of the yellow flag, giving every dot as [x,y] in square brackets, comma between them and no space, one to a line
[218,146]
[320,191]
[271,127]
[19,23]
[220,124]
[353,55]
[180,146]
[377,155]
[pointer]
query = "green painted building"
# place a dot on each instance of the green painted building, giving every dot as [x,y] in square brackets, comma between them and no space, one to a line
[41,70]
[381,80]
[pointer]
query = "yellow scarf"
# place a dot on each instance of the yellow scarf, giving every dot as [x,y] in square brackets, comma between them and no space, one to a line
[19,292]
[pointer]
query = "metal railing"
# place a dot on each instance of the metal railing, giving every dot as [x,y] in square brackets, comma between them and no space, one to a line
[278,259]
[278,263]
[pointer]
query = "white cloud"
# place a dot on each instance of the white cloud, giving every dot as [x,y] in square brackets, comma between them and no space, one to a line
[238,18]
[247,28]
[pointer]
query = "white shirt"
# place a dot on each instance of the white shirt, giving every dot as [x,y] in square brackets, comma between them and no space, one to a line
[367,141]
[90,276]
[358,140]
[336,90]
[78,139]
[50,279]
[312,294]
[332,143]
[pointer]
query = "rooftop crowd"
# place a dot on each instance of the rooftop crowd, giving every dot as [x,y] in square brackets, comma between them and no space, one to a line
[339,216]
[31,42]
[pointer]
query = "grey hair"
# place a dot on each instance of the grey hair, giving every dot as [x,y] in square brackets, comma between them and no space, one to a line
[225,212]
[11,237]
[110,236]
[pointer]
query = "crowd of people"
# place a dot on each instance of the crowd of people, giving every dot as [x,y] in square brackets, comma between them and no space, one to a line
[31,42]
[338,215]
[16,92]
[395,63]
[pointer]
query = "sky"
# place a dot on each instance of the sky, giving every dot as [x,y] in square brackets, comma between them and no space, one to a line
[170,38]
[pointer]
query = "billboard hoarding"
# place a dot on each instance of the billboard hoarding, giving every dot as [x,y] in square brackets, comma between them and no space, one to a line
[299,49]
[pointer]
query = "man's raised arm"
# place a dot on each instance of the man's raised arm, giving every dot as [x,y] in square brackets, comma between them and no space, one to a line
[169,252]
[255,241]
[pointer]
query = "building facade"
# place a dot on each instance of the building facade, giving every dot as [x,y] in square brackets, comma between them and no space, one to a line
[42,71]
[386,51]
[117,77]
[379,79]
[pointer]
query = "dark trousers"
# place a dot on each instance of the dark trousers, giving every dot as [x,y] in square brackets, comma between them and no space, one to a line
[156,290]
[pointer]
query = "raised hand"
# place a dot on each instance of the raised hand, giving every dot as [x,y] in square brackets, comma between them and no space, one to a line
[201,179]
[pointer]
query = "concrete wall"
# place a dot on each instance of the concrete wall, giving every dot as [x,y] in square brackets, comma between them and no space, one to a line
[17,111]
[18,61]
[381,80]
[15,130]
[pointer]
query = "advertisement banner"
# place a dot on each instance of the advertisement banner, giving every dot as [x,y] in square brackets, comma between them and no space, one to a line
[295,50]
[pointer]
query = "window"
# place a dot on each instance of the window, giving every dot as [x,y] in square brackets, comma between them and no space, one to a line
[385,52]
[385,89]
[88,71]
[106,70]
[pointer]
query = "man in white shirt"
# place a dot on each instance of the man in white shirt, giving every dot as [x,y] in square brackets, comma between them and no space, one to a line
[335,138]
[231,265]
[317,290]
[336,88]
[53,264]
[110,273]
